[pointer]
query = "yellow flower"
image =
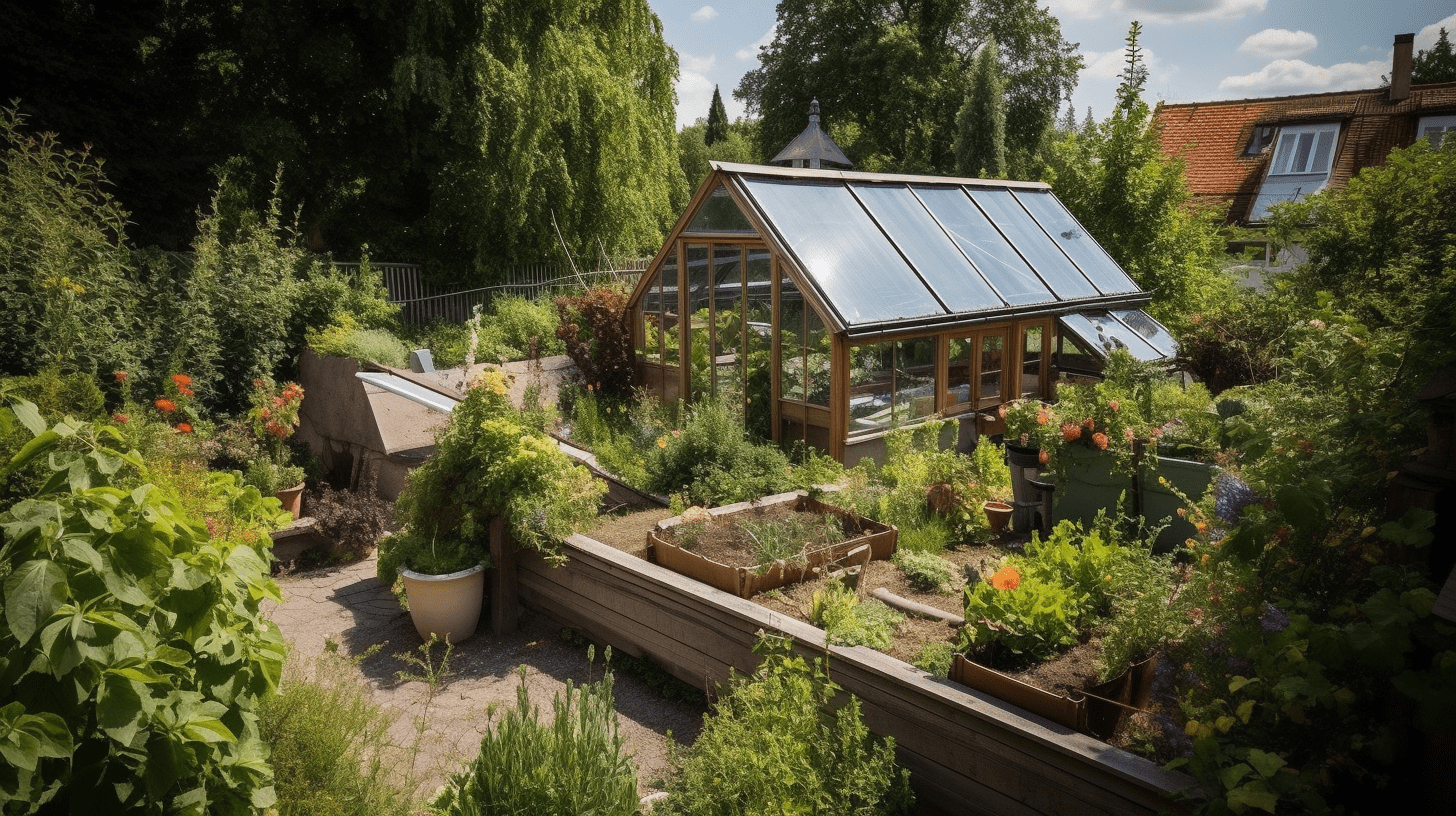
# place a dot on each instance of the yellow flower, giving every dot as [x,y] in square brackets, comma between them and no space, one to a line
[661,441]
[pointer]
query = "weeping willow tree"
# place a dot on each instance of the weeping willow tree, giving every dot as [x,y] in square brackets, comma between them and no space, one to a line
[556,130]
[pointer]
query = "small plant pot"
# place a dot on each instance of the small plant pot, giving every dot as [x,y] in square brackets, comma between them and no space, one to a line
[998,515]
[447,606]
[292,499]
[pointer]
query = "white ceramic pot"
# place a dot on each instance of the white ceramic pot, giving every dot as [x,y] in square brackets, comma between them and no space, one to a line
[445,605]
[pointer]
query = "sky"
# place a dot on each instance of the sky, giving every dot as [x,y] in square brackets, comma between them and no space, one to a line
[1196,50]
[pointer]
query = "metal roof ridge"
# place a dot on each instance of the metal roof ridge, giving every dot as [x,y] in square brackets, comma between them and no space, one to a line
[861,175]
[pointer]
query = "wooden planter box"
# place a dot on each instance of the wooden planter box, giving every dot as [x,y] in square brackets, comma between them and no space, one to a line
[748,581]
[1096,712]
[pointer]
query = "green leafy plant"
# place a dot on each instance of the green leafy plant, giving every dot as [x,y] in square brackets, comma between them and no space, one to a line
[576,763]
[344,337]
[788,539]
[935,658]
[925,571]
[848,621]
[776,741]
[1015,620]
[273,418]
[713,462]
[148,624]
[489,461]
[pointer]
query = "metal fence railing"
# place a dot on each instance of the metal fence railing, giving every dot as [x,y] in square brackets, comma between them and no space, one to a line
[419,301]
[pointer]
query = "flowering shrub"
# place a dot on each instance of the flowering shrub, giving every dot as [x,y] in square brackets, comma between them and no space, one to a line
[273,418]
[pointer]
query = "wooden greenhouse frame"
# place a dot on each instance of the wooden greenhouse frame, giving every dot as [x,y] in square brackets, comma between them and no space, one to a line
[836,305]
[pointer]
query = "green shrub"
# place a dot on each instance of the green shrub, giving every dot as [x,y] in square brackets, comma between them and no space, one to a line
[1028,620]
[929,535]
[516,326]
[926,571]
[345,338]
[848,621]
[330,745]
[712,462]
[136,651]
[935,658]
[575,764]
[776,743]
[446,341]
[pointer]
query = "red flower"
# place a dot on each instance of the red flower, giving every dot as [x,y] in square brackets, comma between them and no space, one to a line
[1071,432]
[120,418]
[181,379]
[166,406]
[1006,578]
[1041,456]
[184,427]
[1100,440]
[120,376]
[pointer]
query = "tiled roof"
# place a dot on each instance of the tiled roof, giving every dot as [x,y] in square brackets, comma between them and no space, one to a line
[1210,137]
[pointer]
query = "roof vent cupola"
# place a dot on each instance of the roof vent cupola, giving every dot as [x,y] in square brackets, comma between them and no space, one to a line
[813,147]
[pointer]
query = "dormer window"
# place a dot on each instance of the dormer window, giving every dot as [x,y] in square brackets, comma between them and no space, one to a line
[1435,127]
[1262,137]
[1305,150]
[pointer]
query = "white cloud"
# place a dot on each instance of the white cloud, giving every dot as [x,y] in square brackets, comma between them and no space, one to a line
[704,14]
[1284,77]
[1108,65]
[1426,38]
[694,97]
[1279,43]
[751,52]
[1158,11]
[697,65]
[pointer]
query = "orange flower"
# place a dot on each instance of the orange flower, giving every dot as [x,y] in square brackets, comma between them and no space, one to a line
[1006,578]
[184,427]
[181,379]
[120,376]
[120,417]
[184,391]
[1042,417]
[661,442]
[1089,423]
[1042,457]
[1113,406]
[1127,434]
[166,406]
[1001,411]
[1071,432]
[1100,440]
[257,383]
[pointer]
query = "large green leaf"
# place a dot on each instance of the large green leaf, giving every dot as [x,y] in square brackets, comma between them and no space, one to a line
[29,416]
[35,447]
[33,592]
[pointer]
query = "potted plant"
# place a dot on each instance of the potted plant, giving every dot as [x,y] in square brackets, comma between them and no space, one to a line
[1028,423]
[490,461]
[273,418]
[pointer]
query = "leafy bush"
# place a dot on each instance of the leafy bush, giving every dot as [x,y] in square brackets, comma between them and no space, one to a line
[712,462]
[596,335]
[136,654]
[935,658]
[777,743]
[517,327]
[925,571]
[353,520]
[1019,621]
[848,621]
[330,744]
[490,461]
[345,338]
[575,764]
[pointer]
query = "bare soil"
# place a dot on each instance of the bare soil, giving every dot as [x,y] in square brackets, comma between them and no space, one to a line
[733,541]
[1072,670]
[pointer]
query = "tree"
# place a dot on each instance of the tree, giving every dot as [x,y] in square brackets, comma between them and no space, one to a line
[739,145]
[1437,64]
[1134,200]
[891,75]
[717,129]
[980,146]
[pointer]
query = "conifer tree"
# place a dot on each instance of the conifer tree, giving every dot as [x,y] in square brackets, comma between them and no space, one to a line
[1438,64]
[717,130]
[980,145]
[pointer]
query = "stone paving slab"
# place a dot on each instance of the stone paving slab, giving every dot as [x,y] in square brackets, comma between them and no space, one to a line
[348,609]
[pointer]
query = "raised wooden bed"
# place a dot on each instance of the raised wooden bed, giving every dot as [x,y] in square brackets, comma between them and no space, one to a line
[967,752]
[1096,712]
[746,582]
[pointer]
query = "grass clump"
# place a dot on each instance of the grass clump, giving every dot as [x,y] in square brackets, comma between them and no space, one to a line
[788,539]
[344,337]
[573,764]
[777,744]
[926,571]
[330,743]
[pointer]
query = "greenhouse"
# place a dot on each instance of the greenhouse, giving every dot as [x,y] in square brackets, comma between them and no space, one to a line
[836,305]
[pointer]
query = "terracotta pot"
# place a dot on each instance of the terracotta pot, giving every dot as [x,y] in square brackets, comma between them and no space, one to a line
[291,498]
[447,606]
[997,515]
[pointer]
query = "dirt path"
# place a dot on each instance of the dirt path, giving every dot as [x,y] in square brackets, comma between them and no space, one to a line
[349,607]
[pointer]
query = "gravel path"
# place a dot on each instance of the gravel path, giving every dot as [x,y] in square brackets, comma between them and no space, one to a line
[349,607]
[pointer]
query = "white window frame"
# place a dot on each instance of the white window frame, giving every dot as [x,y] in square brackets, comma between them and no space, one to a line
[1435,128]
[1313,146]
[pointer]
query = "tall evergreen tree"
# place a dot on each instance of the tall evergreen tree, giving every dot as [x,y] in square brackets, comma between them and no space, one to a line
[1438,64]
[1068,123]
[717,129]
[980,145]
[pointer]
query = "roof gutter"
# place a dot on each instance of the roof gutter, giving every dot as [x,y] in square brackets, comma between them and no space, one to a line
[882,329]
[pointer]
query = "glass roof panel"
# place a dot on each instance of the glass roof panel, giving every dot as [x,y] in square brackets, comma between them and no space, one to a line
[1059,273]
[1155,333]
[1103,333]
[719,213]
[970,230]
[929,249]
[843,251]
[1083,249]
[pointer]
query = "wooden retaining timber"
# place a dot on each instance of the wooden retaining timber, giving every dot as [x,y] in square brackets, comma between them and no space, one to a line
[968,752]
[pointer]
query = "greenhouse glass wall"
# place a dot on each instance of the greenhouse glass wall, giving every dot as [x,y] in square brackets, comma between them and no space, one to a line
[833,306]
